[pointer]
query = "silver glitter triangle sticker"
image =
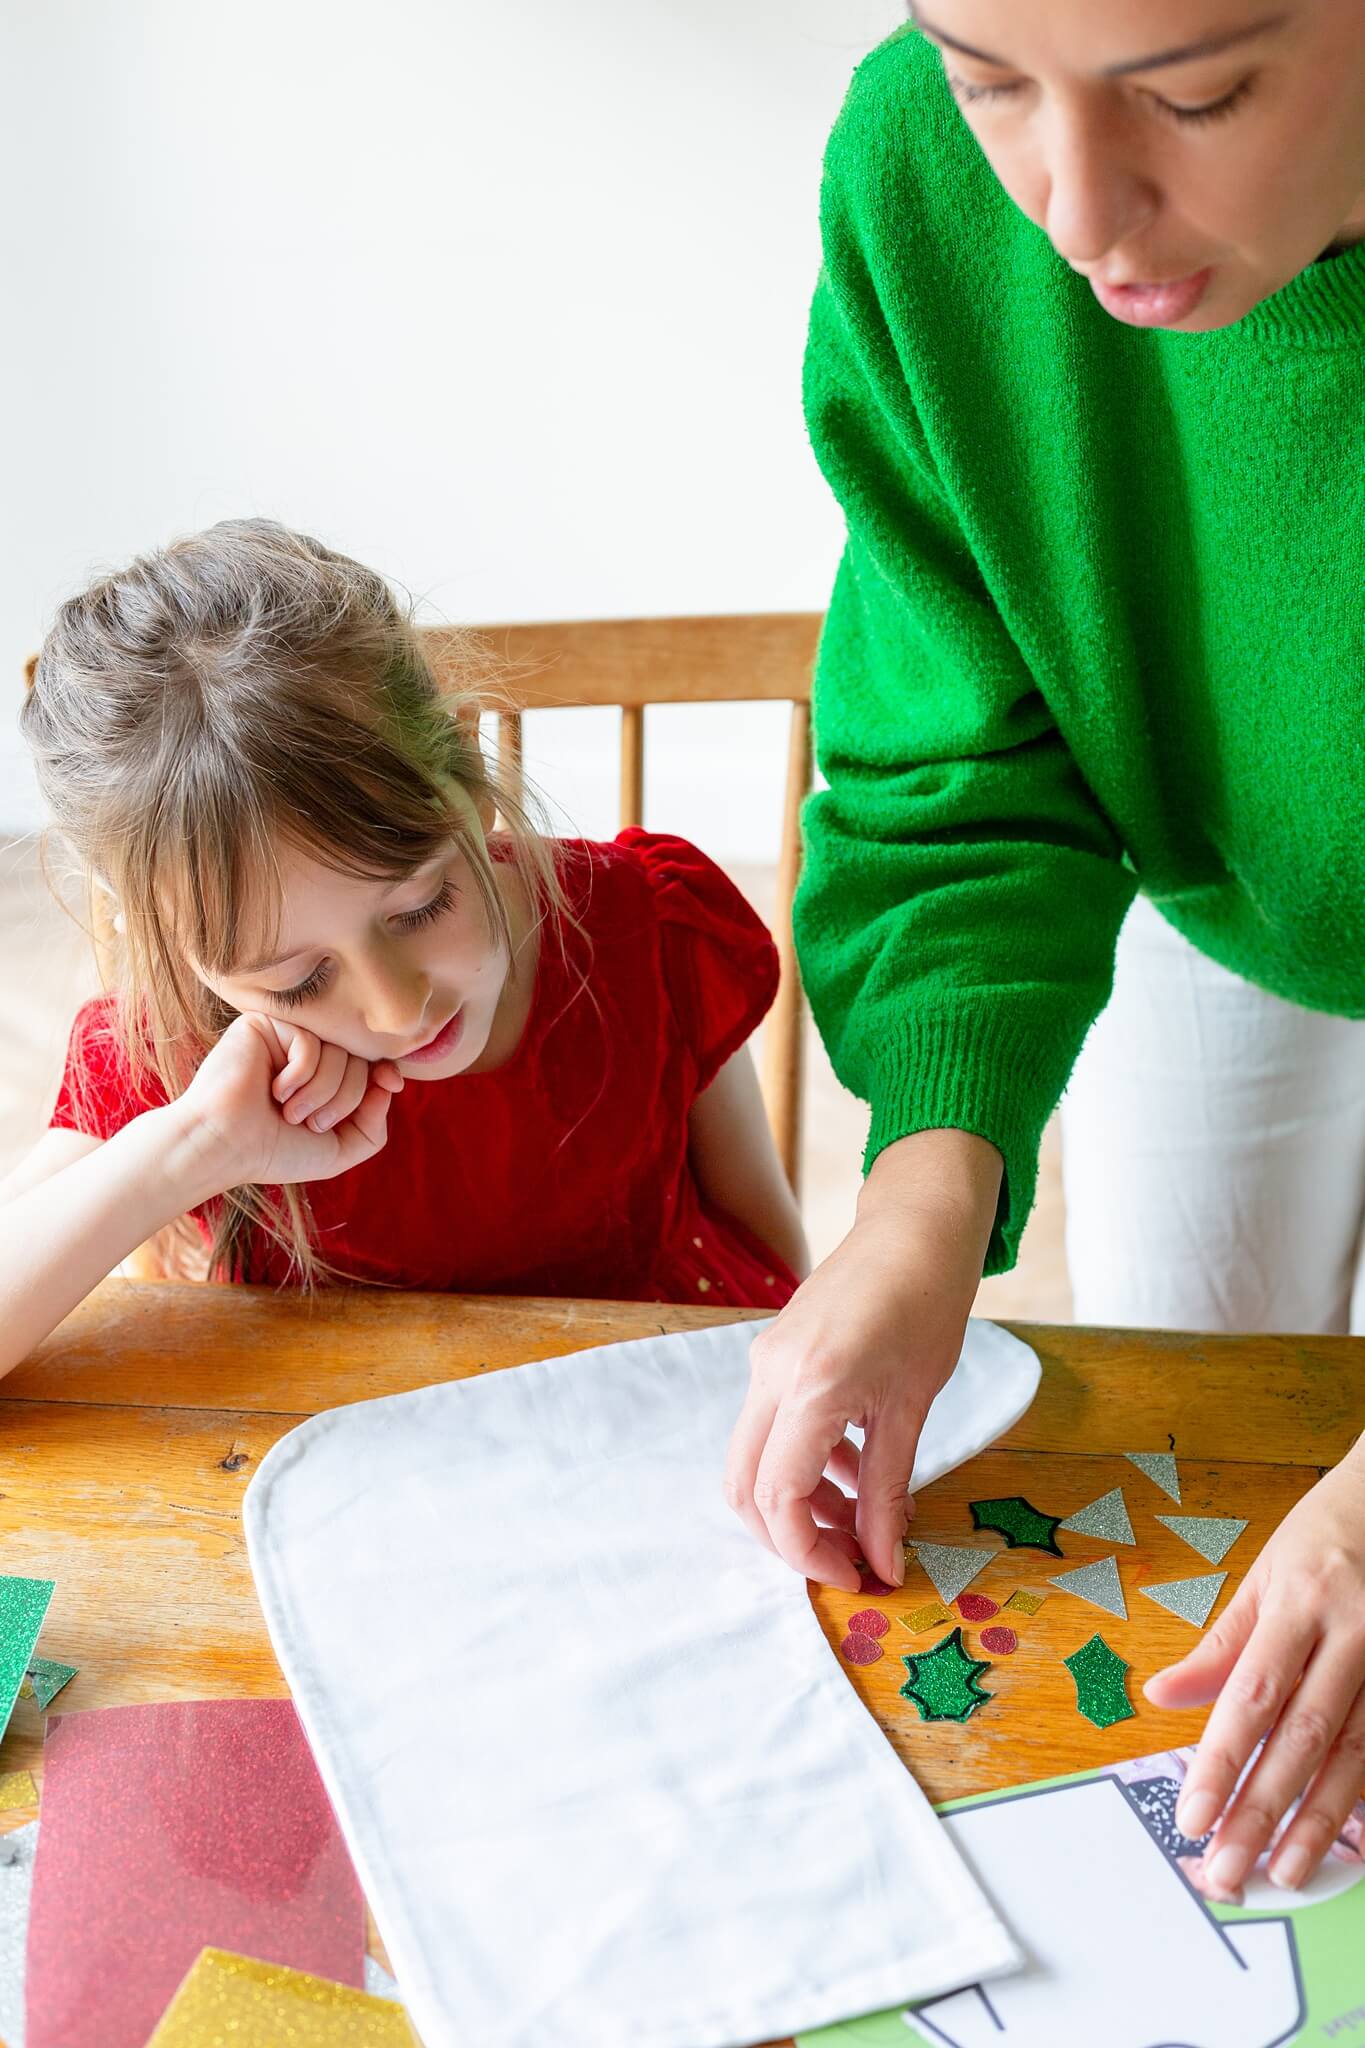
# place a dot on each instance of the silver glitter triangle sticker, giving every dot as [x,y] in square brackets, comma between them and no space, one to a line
[950,1568]
[1211,1535]
[1098,1583]
[1191,1599]
[1106,1518]
[1159,1466]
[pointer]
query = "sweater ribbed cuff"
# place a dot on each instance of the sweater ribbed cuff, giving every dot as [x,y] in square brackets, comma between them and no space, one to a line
[982,1071]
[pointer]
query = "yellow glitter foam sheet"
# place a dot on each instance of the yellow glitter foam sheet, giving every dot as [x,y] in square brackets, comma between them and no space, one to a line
[261,2005]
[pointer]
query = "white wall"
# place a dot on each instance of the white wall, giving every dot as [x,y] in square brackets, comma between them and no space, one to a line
[507,298]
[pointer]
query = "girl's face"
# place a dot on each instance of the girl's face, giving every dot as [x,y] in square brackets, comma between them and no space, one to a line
[406,970]
[1210,147]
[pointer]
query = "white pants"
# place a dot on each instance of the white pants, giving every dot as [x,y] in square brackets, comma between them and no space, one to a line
[1213,1151]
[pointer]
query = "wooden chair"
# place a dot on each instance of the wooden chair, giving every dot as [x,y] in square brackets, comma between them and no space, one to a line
[632,664]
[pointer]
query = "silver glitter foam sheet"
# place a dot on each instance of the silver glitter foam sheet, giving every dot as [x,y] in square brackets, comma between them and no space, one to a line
[1159,1467]
[1098,1583]
[950,1567]
[1191,1599]
[1211,1535]
[1106,1518]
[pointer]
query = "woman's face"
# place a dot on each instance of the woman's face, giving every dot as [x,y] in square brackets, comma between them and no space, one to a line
[1207,150]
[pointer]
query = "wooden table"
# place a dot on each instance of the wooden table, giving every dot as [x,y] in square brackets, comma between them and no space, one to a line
[126,1442]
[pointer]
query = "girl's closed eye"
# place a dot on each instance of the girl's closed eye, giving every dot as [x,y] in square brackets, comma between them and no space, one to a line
[313,985]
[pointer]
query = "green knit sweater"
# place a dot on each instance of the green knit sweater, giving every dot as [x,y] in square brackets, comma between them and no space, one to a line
[1099,626]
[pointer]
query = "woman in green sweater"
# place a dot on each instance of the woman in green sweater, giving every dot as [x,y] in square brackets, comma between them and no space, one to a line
[1086,372]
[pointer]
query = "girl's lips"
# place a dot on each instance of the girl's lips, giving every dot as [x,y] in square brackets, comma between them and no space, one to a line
[437,1048]
[1153,305]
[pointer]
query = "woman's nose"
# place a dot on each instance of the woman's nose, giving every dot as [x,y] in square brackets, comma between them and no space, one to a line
[1097,197]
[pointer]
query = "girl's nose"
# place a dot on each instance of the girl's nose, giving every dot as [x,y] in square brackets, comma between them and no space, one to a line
[394,1004]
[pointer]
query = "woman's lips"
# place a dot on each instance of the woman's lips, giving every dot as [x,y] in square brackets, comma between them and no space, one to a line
[437,1048]
[1153,305]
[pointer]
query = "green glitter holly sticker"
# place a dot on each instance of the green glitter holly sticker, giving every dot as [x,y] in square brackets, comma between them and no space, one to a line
[1101,1680]
[1021,1525]
[943,1681]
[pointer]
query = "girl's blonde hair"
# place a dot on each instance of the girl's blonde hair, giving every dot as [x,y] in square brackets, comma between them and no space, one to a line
[243,689]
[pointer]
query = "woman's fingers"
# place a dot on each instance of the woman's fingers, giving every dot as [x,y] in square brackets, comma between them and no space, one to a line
[1248,1705]
[1294,1752]
[790,1470]
[883,1488]
[1328,1801]
[844,1461]
[833,1509]
[1200,1677]
[747,1440]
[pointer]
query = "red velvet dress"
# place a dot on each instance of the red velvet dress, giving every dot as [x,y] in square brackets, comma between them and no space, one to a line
[564,1171]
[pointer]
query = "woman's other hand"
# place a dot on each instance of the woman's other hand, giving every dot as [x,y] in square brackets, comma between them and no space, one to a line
[1286,1662]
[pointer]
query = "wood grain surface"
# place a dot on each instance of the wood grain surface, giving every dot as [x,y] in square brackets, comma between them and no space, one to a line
[127,1440]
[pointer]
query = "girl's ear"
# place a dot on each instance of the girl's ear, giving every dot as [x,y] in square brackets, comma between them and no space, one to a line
[488,811]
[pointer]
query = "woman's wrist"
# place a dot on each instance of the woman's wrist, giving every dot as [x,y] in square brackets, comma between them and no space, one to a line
[953,1175]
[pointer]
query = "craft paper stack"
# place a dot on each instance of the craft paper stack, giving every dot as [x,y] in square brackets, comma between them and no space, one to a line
[602,1779]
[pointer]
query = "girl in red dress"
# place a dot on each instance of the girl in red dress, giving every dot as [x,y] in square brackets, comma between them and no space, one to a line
[359,1035]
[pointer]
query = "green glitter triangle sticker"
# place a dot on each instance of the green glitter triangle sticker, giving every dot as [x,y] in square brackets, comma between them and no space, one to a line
[1021,1525]
[1100,1677]
[48,1679]
[943,1681]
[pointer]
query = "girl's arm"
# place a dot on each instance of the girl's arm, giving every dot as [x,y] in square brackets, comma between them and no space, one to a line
[76,1207]
[735,1162]
[270,1104]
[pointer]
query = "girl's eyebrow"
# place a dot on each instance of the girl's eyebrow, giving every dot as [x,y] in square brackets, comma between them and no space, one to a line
[265,966]
[1207,46]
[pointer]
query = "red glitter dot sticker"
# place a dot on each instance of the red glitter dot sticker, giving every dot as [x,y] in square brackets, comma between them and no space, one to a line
[976,1606]
[868,1621]
[1001,1642]
[860,1649]
[873,1585]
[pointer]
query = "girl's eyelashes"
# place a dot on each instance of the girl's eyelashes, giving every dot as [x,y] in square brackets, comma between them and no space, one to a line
[304,991]
[1212,110]
[441,902]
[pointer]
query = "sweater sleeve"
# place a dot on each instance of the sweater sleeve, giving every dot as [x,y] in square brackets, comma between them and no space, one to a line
[962,890]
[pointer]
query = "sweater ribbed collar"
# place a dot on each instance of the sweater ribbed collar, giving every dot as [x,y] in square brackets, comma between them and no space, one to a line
[1324,306]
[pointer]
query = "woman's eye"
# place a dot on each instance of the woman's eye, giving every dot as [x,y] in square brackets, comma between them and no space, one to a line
[1212,110]
[970,93]
[440,903]
[304,991]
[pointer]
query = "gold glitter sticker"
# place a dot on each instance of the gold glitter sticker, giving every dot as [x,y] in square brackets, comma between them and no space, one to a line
[1025,1603]
[228,1997]
[926,1617]
[17,1789]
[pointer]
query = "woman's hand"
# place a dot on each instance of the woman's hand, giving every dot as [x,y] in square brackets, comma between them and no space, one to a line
[1286,1661]
[869,1339]
[272,1103]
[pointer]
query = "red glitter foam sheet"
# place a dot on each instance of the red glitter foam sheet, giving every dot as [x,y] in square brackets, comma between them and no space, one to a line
[171,1828]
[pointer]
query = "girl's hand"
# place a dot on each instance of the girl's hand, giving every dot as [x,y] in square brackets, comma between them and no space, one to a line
[272,1103]
[869,1339]
[1286,1661]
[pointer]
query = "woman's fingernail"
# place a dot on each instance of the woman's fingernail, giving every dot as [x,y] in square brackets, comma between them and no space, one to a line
[1196,1815]
[1227,1870]
[322,1121]
[897,1566]
[1290,1867]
